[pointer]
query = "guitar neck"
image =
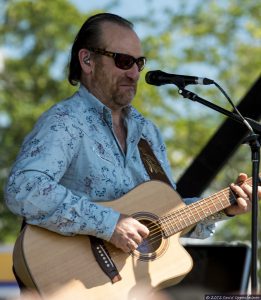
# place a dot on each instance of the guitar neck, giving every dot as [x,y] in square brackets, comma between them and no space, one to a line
[190,215]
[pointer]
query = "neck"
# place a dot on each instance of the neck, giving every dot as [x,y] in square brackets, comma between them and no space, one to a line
[117,118]
[119,129]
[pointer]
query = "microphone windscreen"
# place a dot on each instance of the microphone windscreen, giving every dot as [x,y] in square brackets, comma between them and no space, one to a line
[152,77]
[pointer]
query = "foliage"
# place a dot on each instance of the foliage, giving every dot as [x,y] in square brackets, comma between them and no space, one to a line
[211,40]
[220,40]
[30,83]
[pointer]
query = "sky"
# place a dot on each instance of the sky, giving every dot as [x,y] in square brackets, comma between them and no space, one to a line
[133,8]
[125,8]
[126,5]
[129,9]
[138,8]
[1,62]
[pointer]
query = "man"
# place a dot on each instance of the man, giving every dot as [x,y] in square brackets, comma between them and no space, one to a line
[84,149]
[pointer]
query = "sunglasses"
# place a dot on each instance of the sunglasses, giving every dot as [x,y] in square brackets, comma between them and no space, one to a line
[122,61]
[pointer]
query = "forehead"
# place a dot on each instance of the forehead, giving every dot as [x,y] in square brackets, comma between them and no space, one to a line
[120,39]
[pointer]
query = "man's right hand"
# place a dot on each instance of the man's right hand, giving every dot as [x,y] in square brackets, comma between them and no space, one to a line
[128,234]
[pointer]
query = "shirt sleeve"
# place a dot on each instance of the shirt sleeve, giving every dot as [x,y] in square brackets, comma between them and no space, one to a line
[34,191]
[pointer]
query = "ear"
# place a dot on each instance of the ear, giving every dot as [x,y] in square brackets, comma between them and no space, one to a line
[85,61]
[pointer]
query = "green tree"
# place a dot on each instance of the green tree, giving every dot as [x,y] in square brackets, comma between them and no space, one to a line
[220,39]
[30,83]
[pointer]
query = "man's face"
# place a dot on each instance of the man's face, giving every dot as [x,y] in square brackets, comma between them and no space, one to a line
[111,85]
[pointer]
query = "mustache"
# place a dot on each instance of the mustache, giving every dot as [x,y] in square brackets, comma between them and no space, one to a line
[129,81]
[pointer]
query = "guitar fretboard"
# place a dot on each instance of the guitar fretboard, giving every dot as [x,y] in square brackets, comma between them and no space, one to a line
[189,215]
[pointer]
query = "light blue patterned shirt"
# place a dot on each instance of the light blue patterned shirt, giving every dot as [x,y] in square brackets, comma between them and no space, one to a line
[72,160]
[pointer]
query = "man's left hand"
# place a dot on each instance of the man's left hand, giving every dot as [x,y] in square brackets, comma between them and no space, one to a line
[243,192]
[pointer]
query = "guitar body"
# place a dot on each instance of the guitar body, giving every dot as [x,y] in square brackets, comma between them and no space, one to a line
[46,261]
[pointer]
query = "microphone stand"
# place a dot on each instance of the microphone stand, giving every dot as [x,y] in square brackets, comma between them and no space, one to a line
[253,140]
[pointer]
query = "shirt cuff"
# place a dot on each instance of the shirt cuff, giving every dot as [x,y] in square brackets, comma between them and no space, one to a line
[218,216]
[109,225]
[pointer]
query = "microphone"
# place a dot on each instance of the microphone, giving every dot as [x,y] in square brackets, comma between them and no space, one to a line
[159,78]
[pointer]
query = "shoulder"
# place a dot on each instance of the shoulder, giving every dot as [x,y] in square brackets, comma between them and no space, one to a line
[67,108]
[69,111]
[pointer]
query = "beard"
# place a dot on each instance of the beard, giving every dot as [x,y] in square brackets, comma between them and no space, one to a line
[125,91]
[114,92]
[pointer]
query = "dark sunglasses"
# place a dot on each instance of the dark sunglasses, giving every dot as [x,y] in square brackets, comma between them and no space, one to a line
[122,61]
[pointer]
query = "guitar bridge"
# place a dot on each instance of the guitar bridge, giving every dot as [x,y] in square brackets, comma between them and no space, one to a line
[103,259]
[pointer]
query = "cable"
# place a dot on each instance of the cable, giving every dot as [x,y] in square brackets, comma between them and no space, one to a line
[235,108]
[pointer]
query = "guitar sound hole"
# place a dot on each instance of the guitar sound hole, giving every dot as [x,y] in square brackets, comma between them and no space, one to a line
[154,245]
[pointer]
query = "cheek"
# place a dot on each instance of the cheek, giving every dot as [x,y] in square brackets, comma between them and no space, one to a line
[106,79]
[102,78]
[110,84]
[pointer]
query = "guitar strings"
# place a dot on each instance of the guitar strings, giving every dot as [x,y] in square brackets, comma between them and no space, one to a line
[156,231]
[208,202]
[156,227]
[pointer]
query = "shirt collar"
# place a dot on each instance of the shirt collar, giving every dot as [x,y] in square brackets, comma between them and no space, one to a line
[102,109]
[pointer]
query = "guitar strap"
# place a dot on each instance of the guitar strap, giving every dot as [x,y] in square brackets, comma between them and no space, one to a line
[151,163]
[21,285]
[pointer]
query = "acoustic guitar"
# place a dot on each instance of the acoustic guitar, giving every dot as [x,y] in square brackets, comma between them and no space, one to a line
[45,260]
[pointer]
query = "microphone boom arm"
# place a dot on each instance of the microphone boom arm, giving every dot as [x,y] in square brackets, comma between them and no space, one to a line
[194,97]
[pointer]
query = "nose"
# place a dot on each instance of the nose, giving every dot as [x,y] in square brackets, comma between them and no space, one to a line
[133,73]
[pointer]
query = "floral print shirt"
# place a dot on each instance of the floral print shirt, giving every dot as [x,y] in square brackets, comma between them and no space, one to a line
[72,160]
